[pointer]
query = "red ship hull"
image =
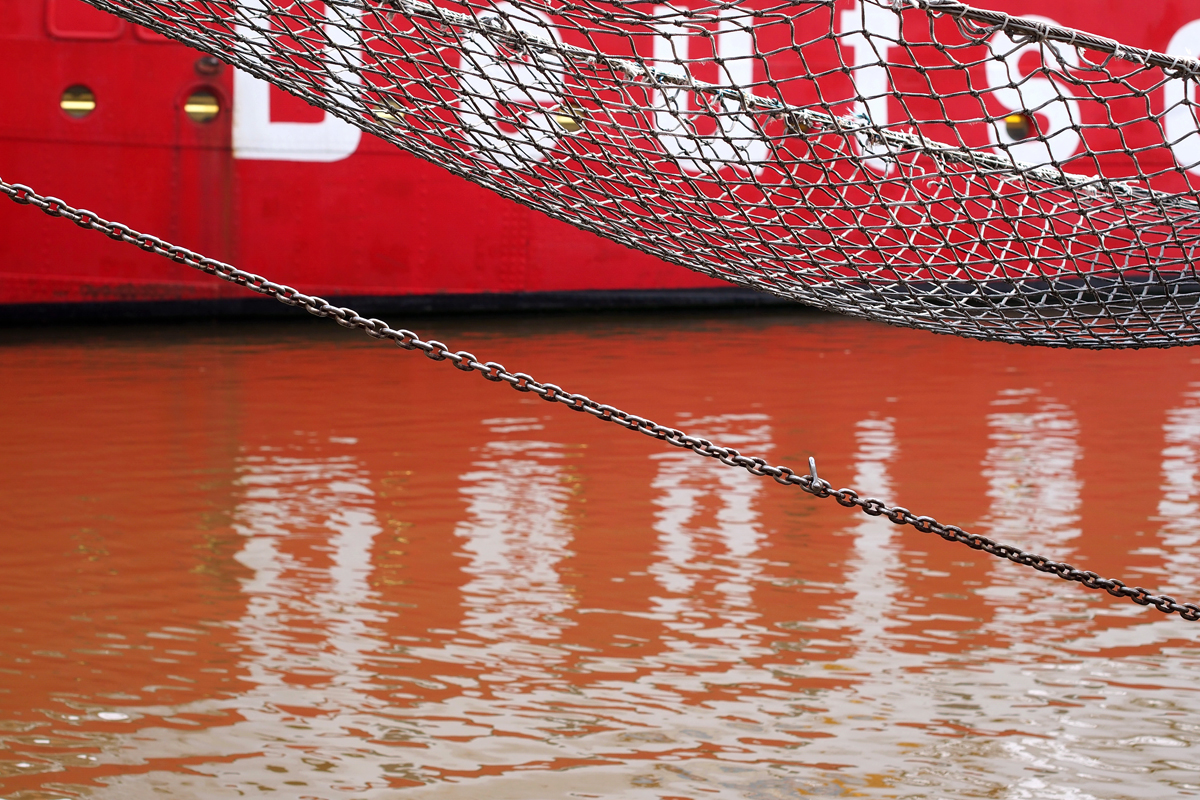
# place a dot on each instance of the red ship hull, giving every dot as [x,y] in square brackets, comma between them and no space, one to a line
[359,219]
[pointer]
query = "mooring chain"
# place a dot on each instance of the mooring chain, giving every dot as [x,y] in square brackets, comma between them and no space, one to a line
[492,371]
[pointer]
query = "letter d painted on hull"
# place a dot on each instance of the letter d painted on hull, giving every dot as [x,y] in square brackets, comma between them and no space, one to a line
[255,136]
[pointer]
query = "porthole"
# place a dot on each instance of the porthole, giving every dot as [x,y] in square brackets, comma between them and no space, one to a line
[1018,126]
[570,117]
[202,106]
[390,112]
[77,101]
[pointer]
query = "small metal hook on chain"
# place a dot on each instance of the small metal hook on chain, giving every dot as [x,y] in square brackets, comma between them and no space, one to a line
[816,482]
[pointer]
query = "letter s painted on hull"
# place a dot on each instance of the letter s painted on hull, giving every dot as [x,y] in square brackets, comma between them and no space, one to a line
[1179,102]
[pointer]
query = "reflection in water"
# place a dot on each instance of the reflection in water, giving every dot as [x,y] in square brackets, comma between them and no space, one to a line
[1035,499]
[873,572]
[305,639]
[1175,551]
[1031,469]
[1179,507]
[309,529]
[516,532]
[304,570]
[707,514]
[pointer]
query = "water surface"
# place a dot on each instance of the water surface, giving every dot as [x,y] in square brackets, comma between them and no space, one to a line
[284,559]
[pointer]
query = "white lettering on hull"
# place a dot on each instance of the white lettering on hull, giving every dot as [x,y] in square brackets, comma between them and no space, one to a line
[256,137]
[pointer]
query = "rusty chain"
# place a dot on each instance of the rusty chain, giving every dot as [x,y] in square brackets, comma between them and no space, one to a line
[491,371]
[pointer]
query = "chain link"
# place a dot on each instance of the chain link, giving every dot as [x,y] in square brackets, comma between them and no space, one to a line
[549,392]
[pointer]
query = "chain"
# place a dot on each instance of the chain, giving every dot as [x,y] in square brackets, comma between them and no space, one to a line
[491,371]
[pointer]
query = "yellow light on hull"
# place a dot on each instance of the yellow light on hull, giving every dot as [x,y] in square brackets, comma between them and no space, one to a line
[1019,126]
[569,117]
[77,101]
[202,106]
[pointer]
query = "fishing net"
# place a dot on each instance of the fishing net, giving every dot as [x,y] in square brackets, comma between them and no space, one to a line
[919,162]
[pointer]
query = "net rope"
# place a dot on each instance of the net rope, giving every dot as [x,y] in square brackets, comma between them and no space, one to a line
[919,162]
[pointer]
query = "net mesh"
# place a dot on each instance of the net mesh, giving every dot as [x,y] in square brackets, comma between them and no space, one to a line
[919,162]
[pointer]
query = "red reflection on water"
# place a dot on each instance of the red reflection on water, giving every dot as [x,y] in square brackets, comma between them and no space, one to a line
[280,557]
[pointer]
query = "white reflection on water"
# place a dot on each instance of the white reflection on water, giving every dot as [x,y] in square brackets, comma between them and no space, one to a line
[309,528]
[516,533]
[1035,501]
[873,573]
[1175,567]
[706,512]
[1031,472]
[1179,506]
[642,711]
[720,705]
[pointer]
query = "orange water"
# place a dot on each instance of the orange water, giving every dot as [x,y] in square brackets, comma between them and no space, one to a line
[285,557]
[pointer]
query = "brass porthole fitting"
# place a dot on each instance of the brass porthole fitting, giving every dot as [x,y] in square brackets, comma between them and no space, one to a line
[202,106]
[1019,126]
[77,101]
